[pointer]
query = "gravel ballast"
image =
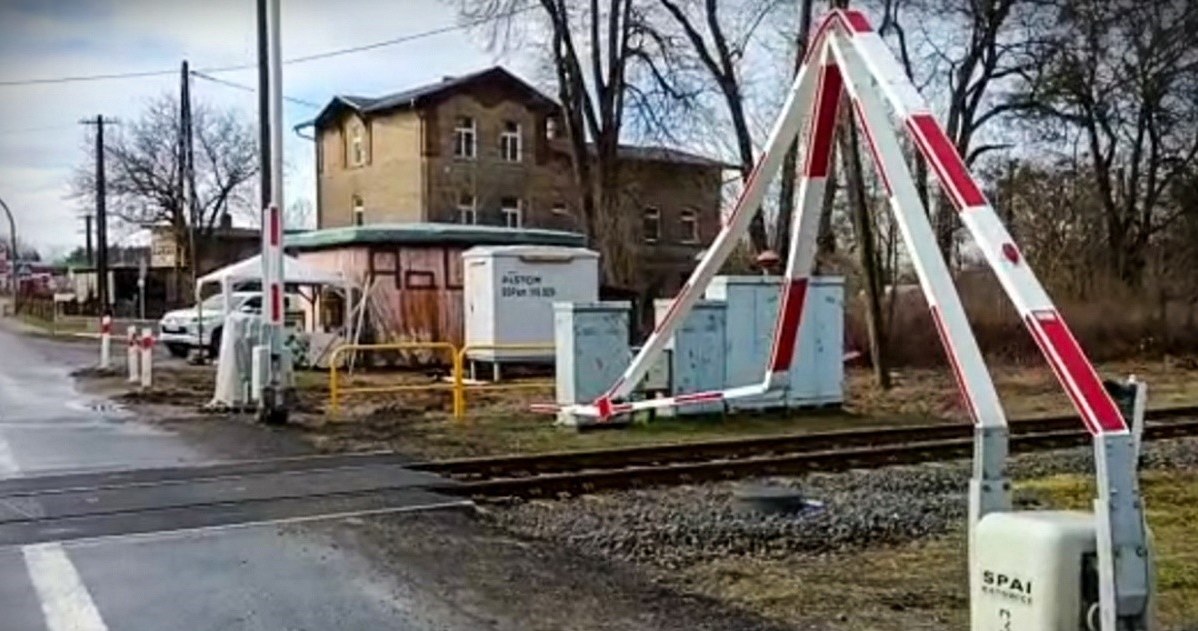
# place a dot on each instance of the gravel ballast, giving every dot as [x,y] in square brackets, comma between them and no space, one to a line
[675,526]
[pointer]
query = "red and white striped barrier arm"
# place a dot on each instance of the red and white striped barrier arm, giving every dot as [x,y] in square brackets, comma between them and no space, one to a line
[1073,369]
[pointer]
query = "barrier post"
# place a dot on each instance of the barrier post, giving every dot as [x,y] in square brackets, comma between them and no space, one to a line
[133,355]
[147,357]
[105,342]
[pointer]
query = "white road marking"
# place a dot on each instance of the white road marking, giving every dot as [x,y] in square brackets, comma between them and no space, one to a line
[8,463]
[66,603]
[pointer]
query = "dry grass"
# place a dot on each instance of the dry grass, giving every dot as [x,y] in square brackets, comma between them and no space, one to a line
[924,585]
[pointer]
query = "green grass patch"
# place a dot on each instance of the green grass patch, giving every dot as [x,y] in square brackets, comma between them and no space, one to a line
[1171,500]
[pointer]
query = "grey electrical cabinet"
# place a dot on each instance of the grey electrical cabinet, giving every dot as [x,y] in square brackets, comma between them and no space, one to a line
[591,346]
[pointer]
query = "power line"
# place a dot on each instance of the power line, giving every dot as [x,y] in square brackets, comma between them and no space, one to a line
[239,86]
[294,60]
[31,130]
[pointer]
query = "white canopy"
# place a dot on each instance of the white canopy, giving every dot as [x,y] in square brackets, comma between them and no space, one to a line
[295,272]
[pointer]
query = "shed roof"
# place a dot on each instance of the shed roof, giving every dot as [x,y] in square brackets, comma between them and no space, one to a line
[430,234]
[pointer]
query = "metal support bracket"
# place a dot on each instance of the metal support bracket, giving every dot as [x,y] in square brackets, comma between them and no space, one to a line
[989,488]
[1123,561]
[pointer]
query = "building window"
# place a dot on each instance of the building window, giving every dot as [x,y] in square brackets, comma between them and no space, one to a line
[509,142]
[359,211]
[651,225]
[689,221]
[464,138]
[320,155]
[511,212]
[467,211]
[357,147]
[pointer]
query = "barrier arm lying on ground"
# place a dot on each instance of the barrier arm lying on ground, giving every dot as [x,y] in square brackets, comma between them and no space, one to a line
[848,57]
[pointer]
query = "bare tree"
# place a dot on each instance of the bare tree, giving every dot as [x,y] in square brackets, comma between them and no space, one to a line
[1124,75]
[976,45]
[145,167]
[720,55]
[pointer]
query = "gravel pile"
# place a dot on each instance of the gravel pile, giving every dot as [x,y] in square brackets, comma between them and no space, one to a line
[671,527]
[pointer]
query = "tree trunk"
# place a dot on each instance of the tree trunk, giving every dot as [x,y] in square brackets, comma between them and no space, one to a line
[862,225]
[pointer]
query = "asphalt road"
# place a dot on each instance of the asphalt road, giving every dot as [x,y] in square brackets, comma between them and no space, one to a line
[110,523]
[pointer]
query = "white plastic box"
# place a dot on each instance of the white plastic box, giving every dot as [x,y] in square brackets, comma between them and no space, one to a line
[1034,571]
[509,293]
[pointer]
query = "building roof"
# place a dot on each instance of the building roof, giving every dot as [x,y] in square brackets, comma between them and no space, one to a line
[421,95]
[429,234]
[651,153]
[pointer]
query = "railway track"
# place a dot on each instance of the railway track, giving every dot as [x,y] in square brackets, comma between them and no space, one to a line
[575,472]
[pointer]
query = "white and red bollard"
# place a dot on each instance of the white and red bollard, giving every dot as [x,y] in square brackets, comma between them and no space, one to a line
[133,355]
[147,357]
[105,342]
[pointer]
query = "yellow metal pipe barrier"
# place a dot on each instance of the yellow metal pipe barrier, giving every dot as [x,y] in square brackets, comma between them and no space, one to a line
[336,391]
[459,381]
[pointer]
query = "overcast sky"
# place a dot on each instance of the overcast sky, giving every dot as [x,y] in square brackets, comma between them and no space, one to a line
[40,135]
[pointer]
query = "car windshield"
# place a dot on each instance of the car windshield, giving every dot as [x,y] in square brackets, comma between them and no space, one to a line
[217,302]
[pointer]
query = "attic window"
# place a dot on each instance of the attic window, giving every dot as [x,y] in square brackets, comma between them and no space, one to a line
[357,147]
[465,138]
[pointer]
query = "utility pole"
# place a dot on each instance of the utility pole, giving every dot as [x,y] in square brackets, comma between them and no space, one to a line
[87,229]
[101,215]
[187,178]
[274,397]
[263,107]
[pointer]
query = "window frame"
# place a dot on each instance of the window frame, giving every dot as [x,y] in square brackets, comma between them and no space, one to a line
[357,145]
[508,211]
[459,132]
[655,213]
[508,139]
[688,222]
[471,209]
[357,210]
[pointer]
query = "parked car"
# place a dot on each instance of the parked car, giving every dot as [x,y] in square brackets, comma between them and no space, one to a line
[182,329]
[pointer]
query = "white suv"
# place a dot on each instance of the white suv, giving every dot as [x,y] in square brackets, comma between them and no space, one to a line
[182,330]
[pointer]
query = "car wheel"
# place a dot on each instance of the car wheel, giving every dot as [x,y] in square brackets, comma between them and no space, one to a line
[177,350]
[214,343]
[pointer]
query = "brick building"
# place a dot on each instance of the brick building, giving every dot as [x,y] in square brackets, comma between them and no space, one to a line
[486,149]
